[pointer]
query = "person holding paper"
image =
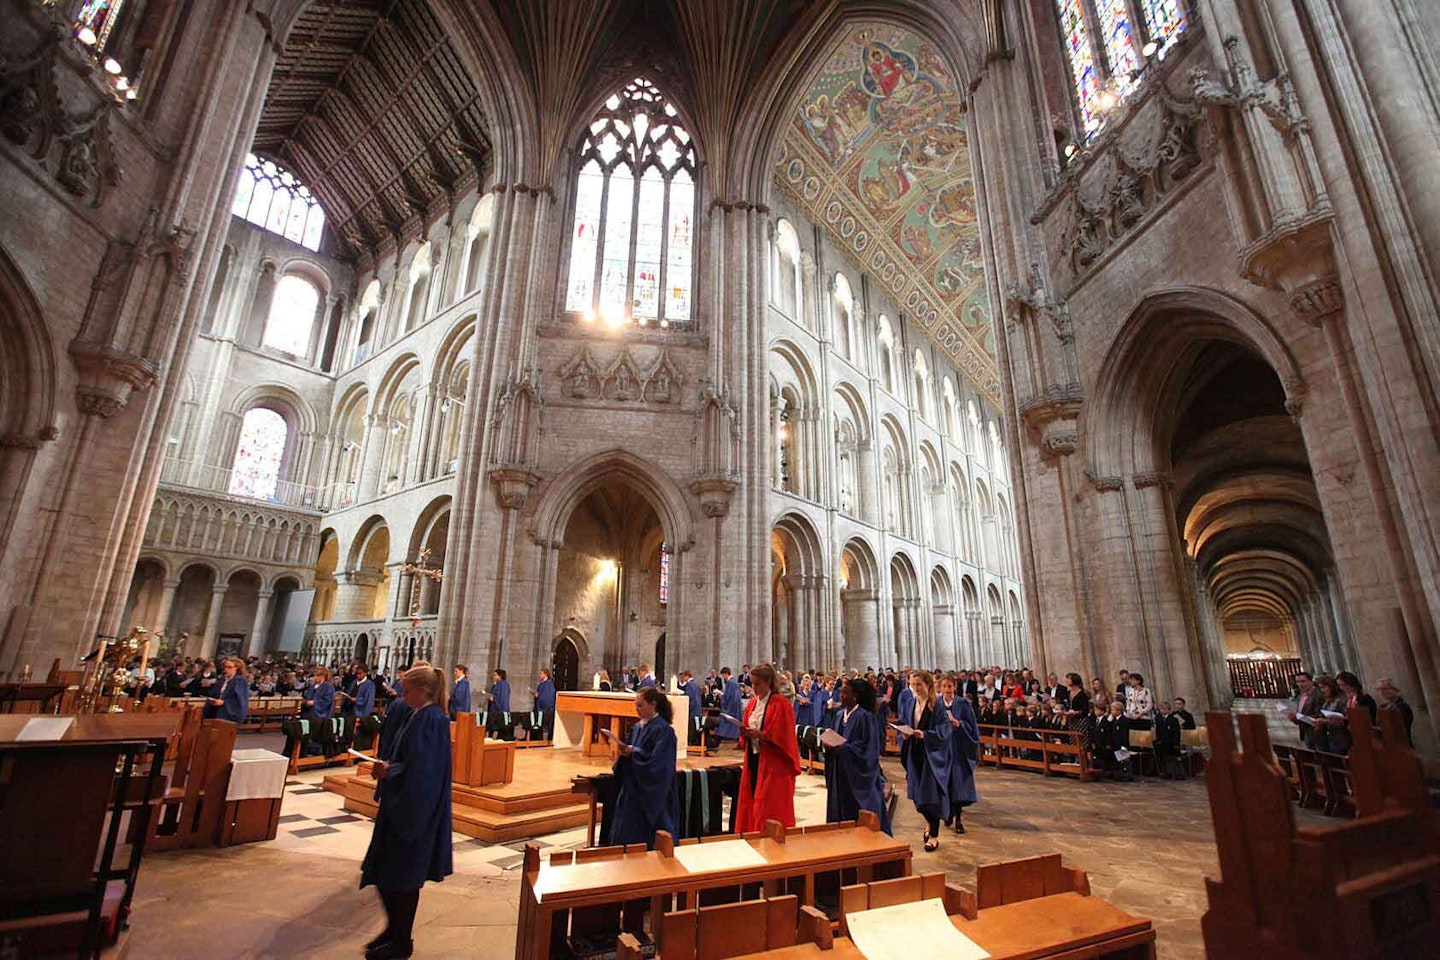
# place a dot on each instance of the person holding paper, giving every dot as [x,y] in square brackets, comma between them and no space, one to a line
[925,754]
[772,757]
[545,704]
[964,751]
[645,797]
[411,841]
[695,730]
[729,706]
[1332,728]
[232,701]
[1305,712]
[319,704]
[497,706]
[460,691]
[852,758]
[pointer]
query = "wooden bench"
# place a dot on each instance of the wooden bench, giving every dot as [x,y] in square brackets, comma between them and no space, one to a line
[734,929]
[1062,752]
[603,891]
[192,809]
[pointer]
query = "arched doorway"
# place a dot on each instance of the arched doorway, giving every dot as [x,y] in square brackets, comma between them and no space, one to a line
[796,582]
[565,664]
[362,648]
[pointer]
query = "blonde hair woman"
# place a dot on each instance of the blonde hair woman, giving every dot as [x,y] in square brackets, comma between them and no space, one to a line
[925,753]
[411,839]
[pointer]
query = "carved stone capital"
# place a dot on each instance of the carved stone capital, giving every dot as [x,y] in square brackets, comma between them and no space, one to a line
[1153,478]
[1060,439]
[513,484]
[714,493]
[1314,301]
[1103,484]
[108,376]
[1294,253]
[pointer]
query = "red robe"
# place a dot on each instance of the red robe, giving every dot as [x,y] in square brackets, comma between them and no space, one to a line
[773,796]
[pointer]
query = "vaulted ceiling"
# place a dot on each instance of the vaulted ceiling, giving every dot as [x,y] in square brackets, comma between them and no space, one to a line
[370,106]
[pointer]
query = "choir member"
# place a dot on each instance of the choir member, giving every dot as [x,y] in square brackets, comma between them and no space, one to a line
[204,682]
[645,798]
[319,703]
[964,751]
[232,701]
[925,754]
[411,839]
[497,705]
[646,677]
[904,700]
[853,781]
[729,706]
[364,694]
[602,681]
[395,713]
[545,703]
[696,726]
[772,758]
[460,693]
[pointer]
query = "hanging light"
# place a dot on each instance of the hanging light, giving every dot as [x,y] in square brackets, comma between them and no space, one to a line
[1149,49]
[122,84]
[445,406]
[131,94]
[86,36]
[1070,149]
[112,66]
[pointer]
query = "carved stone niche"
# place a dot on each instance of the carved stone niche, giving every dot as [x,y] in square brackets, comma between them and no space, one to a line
[622,380]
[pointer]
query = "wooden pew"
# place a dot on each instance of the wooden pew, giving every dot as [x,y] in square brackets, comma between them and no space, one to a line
[191,812]
[606,891]
[1062,752]
[1372,885]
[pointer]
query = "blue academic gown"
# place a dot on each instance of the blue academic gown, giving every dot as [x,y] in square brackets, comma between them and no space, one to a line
[236,697]
[964,751]
[852,770]
[927,762]
[460,697]
[323,696]
[545,696]
[646,681]
[364,699]
[905,704]
[500,697]
[691,689]
[729,703]
[411,840]
[645,798]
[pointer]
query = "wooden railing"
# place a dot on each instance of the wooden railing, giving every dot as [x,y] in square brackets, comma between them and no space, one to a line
[1053,752]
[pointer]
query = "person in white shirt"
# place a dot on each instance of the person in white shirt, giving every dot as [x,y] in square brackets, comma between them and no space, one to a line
[1138,703]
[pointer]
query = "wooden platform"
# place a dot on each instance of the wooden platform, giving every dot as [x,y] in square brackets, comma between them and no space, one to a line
[538,801]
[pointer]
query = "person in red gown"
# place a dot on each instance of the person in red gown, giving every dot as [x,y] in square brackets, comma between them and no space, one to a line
[772,756]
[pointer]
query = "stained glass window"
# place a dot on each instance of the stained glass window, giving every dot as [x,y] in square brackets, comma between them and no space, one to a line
[664,573]
[630,246]
[1121,53]
[270,196]
[1164,22]
[1082,61]
[292,316]
[256,472]
[95,21]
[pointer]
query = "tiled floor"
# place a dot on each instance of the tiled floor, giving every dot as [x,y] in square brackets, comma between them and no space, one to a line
[1147,847]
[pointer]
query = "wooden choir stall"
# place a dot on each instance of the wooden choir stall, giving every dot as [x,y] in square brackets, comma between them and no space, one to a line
[580,715]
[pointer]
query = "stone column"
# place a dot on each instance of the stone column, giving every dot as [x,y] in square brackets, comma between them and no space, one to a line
[372,454]
[861,611]
[255,643]
[946,650]
[212,621]
[167,604]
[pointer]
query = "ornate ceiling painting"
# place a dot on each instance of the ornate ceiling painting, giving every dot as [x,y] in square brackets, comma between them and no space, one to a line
[877,153]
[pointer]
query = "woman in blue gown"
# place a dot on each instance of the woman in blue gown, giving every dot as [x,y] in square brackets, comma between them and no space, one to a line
[964,751]
[925,753]
[645,797]
[852,770]
[411,840]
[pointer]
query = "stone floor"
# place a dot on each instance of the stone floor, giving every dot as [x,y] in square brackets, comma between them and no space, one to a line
[1147,846]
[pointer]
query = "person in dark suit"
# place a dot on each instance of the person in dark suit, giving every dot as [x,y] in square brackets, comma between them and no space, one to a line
[1355,695]
[411,841]
[1308,704]
[1167,741]
[232,701]
[1390,699]
[1186,718]
[1056,690]
[1114,736]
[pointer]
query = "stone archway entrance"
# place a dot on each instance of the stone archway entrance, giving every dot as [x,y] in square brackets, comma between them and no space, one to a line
[565,664]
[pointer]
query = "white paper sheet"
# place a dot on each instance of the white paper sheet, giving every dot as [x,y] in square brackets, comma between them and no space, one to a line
[1332,714]
[832,738]
[357,754]
[1305,718]
[735,720]
[44,728]
[891,933]
[721,855]
[904,729]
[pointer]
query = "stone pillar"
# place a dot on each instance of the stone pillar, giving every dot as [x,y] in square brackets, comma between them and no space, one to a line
[255,643]
[167,603]
[372,454]
[946,650]
[861,612]
[212,621]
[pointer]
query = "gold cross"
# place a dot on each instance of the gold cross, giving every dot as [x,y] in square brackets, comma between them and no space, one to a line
[421,568]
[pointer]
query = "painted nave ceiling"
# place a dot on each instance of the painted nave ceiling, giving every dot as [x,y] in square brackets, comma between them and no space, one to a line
[372,106]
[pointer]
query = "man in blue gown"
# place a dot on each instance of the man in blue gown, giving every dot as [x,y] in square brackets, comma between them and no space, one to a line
[645,797]
[853,781]
[729,706]
[544,708]
[647,677]
[964,751]
[497,707]
[460,693]
[695,726]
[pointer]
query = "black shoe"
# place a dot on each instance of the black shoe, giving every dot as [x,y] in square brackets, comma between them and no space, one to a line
[382,939]
[391,950]
[959,827]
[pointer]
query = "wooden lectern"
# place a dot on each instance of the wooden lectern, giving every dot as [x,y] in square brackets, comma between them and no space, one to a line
[475,761]
[1368,888]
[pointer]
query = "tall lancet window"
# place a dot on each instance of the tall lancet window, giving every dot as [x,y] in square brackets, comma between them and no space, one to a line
[632,236]
[1108,44]
[258,455]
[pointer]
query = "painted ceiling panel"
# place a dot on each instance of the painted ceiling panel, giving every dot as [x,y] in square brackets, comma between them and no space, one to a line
[877,153]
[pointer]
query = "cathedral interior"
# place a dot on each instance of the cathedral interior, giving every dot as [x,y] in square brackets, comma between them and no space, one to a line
[1071,335]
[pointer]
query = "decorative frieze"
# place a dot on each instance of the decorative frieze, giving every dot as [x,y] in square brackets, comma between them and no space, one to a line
[622,379]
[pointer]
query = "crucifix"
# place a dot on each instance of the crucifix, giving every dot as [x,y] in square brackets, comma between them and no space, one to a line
[421,568]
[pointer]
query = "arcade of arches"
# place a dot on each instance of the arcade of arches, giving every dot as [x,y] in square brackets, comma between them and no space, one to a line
[808,333]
